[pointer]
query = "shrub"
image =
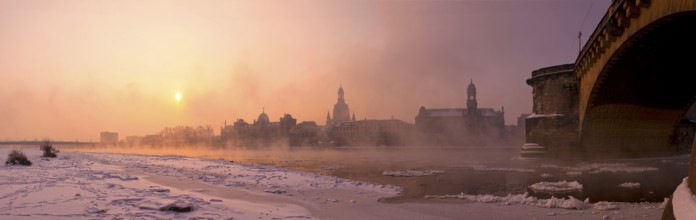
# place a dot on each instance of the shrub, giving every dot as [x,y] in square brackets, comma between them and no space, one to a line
[17,158]
[49,151]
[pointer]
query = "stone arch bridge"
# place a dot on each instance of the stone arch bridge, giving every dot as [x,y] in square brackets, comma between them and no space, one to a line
[636,79]
[630,92]
[637,76]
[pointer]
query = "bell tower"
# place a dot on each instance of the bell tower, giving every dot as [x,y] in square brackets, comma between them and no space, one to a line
[471,103]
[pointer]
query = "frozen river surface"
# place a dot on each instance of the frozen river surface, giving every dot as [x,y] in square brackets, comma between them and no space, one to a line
[97,185]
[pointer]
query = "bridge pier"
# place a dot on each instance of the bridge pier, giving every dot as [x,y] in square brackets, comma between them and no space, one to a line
[554,122]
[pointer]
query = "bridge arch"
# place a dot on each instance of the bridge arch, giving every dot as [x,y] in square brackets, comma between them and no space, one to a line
[637,79]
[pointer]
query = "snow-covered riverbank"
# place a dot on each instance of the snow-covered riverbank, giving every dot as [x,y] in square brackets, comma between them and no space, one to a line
[93,185]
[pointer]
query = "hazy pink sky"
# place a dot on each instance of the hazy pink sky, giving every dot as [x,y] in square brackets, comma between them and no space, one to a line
[70,69]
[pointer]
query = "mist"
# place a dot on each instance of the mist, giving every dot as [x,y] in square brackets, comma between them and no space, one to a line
[73,69]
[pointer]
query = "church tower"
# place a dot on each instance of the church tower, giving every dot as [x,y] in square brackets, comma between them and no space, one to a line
[341,112]
[471,104]
[328,118]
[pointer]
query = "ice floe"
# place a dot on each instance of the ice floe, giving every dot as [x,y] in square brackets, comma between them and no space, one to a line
[412,173]
[596,168]
[525,198]
[557,187]
[630,185]
[502,169]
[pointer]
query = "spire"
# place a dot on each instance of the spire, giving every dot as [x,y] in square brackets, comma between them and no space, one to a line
[328,118]
[353,116]
[340,94]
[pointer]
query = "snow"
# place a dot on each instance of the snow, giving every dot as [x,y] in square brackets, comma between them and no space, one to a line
[544,115]
[605,206]
[412,173]
[570,203]
[92,185]
[546,175]
[630,185]
[525,199]
[684,202]
[597,168]
[557,187]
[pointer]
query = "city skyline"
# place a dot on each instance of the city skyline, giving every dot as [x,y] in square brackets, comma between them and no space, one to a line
[75,68]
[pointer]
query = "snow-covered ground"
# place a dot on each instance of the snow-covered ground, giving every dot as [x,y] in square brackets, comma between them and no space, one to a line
[80,185]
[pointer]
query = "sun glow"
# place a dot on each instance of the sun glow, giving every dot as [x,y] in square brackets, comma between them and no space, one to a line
[178,96]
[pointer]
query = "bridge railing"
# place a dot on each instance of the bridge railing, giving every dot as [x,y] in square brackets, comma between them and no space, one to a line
[615,19]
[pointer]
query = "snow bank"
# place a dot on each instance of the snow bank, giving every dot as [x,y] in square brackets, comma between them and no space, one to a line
[525,199]
[412,173]
[684,202]
[630,185]
[557,187]
[115,186]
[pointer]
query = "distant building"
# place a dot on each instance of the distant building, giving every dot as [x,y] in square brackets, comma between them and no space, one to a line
[263,132]
[461,126]
[133,140]
[341,112]
[152,140]
[109,138]
[306,133]
[391,132]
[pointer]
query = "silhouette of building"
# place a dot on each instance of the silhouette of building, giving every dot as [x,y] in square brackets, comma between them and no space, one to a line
[390,132]
[461,126]
[108,138]
[306,133]
[341,112]
[263,132]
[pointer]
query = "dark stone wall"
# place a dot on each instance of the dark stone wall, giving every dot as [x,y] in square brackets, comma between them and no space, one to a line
[554,123]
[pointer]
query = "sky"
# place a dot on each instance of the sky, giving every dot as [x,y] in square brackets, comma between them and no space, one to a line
[71,69]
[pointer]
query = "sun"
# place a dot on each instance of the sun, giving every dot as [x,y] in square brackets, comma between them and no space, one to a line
[178,96]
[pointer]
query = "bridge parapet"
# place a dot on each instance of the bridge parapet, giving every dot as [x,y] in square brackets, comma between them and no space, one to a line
[615,21]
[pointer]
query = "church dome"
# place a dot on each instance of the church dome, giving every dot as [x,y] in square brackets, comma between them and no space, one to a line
[263,118]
